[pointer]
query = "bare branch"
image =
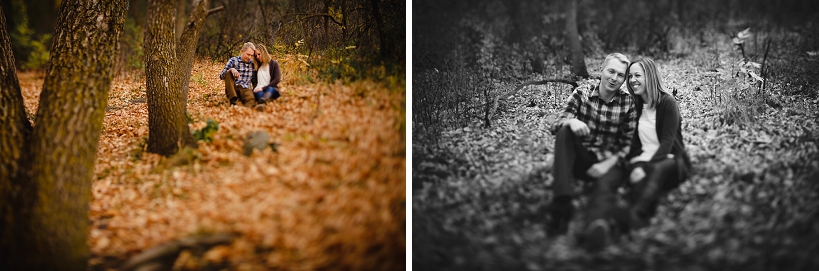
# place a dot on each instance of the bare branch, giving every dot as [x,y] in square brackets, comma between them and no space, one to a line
[215,10]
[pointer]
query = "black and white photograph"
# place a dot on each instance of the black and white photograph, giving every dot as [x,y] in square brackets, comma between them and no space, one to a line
[614,135]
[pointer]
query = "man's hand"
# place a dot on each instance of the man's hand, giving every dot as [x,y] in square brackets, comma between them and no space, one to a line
[578,127]
[637,174]
[597,170]
[235,73]
[256,90]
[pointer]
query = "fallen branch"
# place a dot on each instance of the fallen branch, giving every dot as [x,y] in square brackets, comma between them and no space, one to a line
[312,15]
[494,103]
[215,10]
[527,83]
[163,256]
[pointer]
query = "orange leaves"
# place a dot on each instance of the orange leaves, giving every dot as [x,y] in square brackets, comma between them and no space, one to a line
[331,194]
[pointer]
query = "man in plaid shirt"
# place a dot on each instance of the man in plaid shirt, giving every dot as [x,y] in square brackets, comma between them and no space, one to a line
[593,133]
[237,75]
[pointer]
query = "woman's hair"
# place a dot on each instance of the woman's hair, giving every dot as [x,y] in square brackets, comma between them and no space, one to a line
[652,82]
[265,55]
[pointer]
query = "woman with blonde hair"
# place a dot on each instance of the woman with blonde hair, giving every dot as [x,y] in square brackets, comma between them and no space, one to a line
[658,161]
[267,77]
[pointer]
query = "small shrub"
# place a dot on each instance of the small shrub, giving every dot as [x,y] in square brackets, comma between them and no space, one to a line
[207,132]
[139,148]
[132,47]
[200,79]
[25,44]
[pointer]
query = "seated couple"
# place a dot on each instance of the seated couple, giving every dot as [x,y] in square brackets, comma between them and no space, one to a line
[254,67]
[611,137]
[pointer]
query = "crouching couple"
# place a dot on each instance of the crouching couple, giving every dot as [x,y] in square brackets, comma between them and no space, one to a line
[614,138]
[254,67]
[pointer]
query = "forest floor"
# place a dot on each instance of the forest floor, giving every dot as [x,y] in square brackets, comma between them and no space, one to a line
[751,204]
[329,194]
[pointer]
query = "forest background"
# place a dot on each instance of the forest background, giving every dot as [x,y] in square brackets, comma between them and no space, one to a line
[490,76]
[314,180]
[327,32]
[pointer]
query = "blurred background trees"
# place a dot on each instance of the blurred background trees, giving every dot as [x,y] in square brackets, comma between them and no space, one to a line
[534,29]
[338,38]
[503,42]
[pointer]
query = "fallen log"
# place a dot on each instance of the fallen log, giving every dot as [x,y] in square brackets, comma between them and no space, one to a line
[493,104]
[163,256]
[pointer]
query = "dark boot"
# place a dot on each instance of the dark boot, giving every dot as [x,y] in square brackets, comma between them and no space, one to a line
[598,235]
[560,213]
[265,97]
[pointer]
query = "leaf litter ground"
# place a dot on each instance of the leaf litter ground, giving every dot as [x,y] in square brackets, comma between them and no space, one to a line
[331,194]
[751,204]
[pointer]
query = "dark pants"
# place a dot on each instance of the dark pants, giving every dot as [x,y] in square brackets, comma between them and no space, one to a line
[234,91]
[572,160]
[661,177]
[271,92]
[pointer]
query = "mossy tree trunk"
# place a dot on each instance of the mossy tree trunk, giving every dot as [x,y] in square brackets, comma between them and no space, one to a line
[167,125]
[46,226]
[168,72]
[14,126]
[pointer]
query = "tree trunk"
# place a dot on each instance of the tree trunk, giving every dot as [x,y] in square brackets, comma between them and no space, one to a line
[180,21]
[15,127]
[14,130]
[344,22]
[167,126]
[573,38]
[47,227]
[326,20]
[379,24]
[186,48]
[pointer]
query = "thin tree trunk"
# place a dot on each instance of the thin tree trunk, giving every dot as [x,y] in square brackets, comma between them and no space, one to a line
[573,38]
[344,21]
[379,24]
[180,21]
[186,48]
[167,125]
[326,20]
[48,227]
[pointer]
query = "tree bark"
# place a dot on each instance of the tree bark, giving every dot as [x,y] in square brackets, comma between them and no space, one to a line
[186,48]
[167,125]
[15,127]
[573,38]
[47,227]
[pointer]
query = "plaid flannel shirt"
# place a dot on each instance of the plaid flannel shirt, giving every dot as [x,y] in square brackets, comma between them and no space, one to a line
[611,124]
[245,71]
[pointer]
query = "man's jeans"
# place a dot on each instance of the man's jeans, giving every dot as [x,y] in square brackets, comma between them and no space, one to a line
[572,160]
[232,91]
